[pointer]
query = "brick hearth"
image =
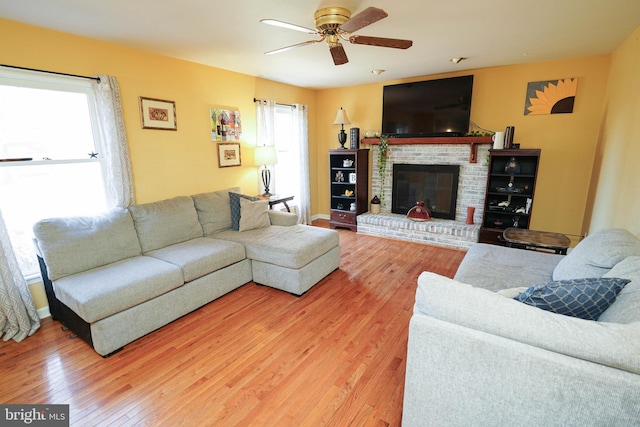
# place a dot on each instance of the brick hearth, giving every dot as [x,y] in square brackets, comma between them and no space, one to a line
[443,232]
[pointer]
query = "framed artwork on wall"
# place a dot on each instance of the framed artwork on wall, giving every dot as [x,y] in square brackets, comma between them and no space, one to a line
[158,114]
[551,97]
[226,124]
[229,154]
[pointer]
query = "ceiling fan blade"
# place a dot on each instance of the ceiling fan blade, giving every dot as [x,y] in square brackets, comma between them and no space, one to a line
[338,54]
[294,46]
[362,19]
[381,42]
[289,26]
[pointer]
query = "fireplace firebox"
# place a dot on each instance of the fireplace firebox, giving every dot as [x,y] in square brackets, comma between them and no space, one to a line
[435,185]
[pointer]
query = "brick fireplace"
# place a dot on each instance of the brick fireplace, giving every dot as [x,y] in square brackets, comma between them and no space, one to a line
[471,192]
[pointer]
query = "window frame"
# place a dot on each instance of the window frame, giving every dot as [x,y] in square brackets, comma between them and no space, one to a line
[60,83]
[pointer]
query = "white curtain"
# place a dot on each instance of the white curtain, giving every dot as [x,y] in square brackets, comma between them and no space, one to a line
[115,150]
[301,132]
[18,316]
[266,123]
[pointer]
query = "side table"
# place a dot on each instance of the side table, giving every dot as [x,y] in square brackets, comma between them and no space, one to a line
[275,199]
[533,239]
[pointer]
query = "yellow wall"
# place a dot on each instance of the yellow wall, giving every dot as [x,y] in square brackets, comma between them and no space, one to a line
[616,190]
[167,163]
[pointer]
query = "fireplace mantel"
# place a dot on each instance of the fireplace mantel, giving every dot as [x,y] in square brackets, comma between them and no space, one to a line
[472,141]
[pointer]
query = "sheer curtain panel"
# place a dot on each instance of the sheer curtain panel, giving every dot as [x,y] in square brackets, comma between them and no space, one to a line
[18,316]
[266,122]
[301,132]
[113,139]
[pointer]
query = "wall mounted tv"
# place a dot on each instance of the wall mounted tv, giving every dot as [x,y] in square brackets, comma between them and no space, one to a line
[428,108]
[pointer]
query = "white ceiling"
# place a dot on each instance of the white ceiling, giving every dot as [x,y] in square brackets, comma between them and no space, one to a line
[229,35]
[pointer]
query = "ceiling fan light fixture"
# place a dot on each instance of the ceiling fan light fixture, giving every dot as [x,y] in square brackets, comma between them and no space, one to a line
[457,60]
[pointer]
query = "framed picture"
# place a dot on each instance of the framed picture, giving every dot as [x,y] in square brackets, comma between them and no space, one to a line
[352,178]
[226,124]
[228,154]
[158,114]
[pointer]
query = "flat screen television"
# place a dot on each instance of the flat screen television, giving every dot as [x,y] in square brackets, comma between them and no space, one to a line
[439,107]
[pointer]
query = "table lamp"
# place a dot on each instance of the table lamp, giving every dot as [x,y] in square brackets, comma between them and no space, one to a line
[342,119]
[265,155]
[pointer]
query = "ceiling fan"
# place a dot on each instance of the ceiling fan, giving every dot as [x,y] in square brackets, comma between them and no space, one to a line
[336,23]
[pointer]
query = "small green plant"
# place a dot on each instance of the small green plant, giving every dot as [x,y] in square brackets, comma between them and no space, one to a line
[383,153]
[479,133]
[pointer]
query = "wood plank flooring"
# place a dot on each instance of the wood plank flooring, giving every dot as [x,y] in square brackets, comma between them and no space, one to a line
[255,357]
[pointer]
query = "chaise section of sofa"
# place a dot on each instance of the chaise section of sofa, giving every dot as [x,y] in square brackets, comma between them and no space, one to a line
[284,255]
[292,258]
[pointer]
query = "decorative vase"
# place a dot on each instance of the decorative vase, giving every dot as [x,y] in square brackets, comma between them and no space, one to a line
[419,212]
[375,205]
[512,167]
[470,211]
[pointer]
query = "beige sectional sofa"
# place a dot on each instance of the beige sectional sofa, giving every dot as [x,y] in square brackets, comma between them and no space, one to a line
[476,356]
[114,277]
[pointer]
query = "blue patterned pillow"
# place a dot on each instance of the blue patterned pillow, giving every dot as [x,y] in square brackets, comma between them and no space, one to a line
[583,298]
[234,204]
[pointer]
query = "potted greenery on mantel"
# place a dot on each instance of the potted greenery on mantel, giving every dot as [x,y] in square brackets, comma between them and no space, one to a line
[383,153]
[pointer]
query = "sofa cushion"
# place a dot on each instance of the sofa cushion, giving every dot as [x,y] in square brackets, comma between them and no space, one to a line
[166,222]
[74,244]
[201,256]
[253,214]
[234,207]
[597,254]
[291,247]
[213,210]
[583,298]
[103,291]
[626,309]
[518,267]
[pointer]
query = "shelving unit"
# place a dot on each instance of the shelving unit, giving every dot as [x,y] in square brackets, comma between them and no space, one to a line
[349,186]
[510,192]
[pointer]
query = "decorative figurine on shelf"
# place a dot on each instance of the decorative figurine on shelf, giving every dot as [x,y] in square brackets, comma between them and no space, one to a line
[339,176]
[419,212]
[512,167]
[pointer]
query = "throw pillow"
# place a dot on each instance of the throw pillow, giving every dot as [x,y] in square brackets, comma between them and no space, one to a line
[234,205]
[583,298]
[253,214]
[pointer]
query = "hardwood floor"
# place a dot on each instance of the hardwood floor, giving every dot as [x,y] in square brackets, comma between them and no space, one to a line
[257,356]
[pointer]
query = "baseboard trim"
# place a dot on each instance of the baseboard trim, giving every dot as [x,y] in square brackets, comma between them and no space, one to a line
[43,312]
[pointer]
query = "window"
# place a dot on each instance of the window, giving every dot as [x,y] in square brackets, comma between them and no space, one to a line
[50,164]
[287,170]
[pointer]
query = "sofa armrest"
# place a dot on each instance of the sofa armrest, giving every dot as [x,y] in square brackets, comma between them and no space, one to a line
[610,344]
[286,219]
[459,376]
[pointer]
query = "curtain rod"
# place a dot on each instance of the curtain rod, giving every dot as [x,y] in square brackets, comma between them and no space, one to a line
[51,72]
[277,103]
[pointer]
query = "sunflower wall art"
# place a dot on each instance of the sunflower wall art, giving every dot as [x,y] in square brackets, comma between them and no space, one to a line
[550,97]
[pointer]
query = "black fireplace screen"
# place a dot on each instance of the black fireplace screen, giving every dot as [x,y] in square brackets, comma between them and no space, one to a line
[435,185]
